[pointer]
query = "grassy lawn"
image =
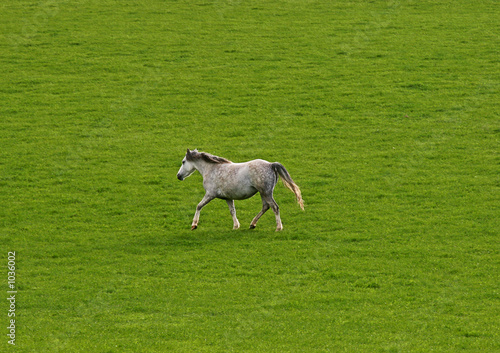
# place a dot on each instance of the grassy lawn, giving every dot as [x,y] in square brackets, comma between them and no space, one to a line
[385,113]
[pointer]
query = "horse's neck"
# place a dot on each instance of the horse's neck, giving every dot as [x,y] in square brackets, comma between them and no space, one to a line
[204,168]
[208,170]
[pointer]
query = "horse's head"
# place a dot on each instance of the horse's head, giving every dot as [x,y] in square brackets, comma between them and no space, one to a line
[187,167]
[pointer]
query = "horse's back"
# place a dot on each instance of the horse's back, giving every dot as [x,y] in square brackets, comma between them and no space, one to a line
[255,171]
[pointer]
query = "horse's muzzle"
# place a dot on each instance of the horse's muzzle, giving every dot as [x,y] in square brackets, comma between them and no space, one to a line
[180,177]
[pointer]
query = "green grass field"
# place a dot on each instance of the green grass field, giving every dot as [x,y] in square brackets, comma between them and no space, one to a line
[385,113]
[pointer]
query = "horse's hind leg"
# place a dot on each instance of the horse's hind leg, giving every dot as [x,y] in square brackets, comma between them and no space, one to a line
[268,202]
[265,207]
[230,203]
[206,199]
[276,210]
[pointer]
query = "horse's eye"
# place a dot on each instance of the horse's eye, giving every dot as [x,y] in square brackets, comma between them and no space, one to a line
[183,162]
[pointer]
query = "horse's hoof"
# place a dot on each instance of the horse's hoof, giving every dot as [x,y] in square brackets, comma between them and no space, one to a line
[252,226]
[194,227]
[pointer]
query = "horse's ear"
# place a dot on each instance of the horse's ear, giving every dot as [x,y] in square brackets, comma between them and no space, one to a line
[189,155]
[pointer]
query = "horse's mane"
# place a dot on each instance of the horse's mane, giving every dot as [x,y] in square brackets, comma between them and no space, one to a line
[209,158]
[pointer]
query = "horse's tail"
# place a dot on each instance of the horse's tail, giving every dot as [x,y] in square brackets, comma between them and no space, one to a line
[287,180]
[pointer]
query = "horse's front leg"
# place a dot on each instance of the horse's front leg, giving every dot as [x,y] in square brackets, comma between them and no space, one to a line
[230,203]
[206,199]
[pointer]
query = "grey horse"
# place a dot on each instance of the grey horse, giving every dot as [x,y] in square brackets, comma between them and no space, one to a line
[230,181]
